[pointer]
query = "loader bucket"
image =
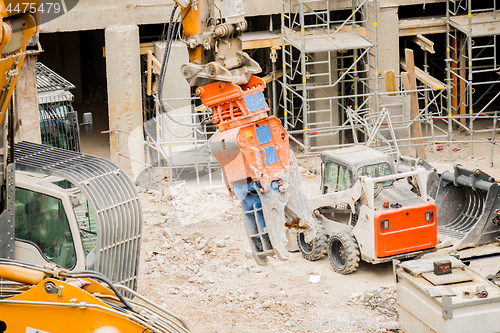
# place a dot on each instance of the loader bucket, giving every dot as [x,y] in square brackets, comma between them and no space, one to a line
[466,202]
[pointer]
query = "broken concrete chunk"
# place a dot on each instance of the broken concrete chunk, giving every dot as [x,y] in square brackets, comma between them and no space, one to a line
[220,243]
[167,233]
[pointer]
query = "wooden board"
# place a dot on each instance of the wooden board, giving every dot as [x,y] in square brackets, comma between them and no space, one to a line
[390,82]
[429,25]
[261,39]
[410,83]
[457,276]
[425,78]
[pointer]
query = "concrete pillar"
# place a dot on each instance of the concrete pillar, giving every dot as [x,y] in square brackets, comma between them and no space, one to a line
[388,59]
[388,40]
[123,70]
[26,117]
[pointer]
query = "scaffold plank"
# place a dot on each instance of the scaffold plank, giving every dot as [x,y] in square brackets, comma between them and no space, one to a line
[483,24]
[322,43]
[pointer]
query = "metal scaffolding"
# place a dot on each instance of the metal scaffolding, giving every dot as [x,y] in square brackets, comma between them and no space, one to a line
[331,81]
[471,55]
[186,152]
[332,90]
[329,65]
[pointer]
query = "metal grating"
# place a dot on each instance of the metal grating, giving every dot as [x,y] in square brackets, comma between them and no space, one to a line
[59,125]
[48,80]
[112,197]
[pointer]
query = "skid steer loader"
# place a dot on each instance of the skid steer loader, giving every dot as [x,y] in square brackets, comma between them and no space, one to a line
[367,214]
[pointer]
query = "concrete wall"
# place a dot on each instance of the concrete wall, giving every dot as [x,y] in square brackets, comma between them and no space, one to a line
[98,14]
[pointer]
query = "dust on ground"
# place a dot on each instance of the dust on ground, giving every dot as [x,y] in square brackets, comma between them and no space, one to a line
[195,261]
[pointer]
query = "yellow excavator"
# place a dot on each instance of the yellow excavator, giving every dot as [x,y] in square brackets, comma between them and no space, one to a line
[53,277]
[66,219]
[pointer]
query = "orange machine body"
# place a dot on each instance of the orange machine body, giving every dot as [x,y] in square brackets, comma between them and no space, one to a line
[407,229]
[16,29]
[195,21]
[250,143]
[73,310]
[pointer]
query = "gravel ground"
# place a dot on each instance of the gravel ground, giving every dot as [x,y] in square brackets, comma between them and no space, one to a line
[195,261]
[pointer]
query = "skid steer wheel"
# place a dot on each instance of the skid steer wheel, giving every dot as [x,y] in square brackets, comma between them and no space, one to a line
[343,252]
[316,249]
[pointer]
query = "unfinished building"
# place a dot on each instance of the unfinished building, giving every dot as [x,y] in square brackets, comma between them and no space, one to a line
[333,69]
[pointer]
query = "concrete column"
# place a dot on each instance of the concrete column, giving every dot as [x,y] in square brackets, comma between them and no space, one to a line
[123,70]
[388,59]
[388,40]
[26,117]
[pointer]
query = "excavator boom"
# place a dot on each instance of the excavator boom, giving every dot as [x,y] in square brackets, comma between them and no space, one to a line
[51,298]
[251,146]
[19,25]
[58,301]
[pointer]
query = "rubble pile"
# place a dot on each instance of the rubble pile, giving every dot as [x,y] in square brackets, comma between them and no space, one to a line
[195,260]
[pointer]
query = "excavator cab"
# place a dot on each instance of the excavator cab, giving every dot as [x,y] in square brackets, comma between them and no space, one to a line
[74,210]
[53,223]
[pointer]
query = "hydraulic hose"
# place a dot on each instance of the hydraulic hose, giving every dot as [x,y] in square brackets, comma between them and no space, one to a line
[164,64]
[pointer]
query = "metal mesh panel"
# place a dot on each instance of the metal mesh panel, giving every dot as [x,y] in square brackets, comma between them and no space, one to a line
[376,170]
[112,197]
[48,80]
[59,125]
[337,177]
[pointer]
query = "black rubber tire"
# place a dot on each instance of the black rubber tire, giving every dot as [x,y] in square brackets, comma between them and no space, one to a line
[343,252]
[316,249]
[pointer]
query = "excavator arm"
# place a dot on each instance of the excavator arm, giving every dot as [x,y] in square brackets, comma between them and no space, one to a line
[251,146]
[18,26]
[215,47]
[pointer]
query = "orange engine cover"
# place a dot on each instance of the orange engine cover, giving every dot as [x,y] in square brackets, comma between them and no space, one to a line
[406,230]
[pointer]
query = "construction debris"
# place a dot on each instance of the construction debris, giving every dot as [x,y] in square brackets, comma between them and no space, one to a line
[382,301]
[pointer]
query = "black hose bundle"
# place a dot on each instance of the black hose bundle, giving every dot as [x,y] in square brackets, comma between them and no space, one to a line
[163,70]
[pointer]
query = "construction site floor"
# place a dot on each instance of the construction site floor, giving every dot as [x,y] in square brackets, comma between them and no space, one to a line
[195,262]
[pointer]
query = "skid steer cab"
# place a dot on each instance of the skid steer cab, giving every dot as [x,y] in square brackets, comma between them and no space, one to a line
[74,210]
[367,213]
